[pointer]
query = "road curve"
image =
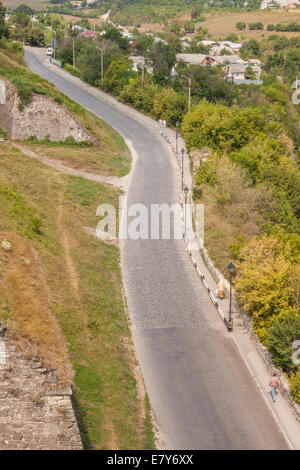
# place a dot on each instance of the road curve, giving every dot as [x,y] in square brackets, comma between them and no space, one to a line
[201,392]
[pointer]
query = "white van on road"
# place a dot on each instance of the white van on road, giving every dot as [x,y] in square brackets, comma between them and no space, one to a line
[49,51]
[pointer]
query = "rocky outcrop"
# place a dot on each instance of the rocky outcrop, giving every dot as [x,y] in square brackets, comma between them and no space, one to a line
[41,118]
[33,413]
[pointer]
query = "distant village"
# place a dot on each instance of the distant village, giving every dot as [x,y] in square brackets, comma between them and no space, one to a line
[225,54]
[236,69]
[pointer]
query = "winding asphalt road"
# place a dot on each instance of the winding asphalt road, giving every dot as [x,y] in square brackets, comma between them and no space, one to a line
[201,392]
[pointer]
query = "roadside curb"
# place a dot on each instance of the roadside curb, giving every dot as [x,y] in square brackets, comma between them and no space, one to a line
[201,276]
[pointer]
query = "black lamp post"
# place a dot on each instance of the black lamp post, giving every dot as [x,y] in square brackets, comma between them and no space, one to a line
[186,191]
[177,124]
[182,157]
[231,269]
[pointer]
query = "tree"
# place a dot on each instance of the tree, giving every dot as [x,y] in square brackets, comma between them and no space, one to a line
[208,82]
[233,37]
[292,63]
[21,19]
[196,11]
[250,49]
[118,74]
[259,154]
[240,25]
[170,105]
[295,386]
[222,128]
[280,338]
[163,57]
[141,44]
[3,27]
[25,9]
[250,73]
[35,36]
[113,34]
[264,282]
[87,60]
[189,27]
[175,28]
[253,26]
[65,52]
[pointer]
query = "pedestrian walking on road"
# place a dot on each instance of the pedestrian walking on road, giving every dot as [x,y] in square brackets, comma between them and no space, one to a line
[165,123]
[274,384]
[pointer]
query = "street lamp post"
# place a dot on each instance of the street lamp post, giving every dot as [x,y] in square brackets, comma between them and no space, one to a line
[190,87]
[231,269]
[177,124]
[186,191]
[182,160]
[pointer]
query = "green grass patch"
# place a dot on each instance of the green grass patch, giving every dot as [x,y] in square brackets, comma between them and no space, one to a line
[84,283]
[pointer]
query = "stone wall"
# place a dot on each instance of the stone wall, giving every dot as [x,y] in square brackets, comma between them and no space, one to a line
[33,413]
[40,118]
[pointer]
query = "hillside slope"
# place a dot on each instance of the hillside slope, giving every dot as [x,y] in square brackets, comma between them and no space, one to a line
[50,211]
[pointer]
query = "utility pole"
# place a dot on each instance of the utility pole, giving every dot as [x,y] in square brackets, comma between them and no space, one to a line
[74,63]
[189,102]
[54,45]
[102,46]
[190,87]
[102,66]
[143,73]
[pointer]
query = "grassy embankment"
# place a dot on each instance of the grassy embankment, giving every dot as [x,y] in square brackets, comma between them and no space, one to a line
[46,211]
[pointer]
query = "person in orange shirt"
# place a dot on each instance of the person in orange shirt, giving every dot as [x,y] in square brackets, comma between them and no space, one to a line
[274,384]
[221,290]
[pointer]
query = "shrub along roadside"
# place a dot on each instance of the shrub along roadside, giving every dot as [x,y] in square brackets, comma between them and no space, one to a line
[255,186]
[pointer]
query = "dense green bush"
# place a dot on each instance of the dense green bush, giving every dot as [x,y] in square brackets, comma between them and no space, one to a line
[141,97]
[295,386]
[118,74]
[279,339]
[170,105]
[240,25]
[221,127]
[256,26]
[26,90]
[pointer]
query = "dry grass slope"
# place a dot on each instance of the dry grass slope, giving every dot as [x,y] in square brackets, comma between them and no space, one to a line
[25,305]
[221,24]
[31,3]
[44,214]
